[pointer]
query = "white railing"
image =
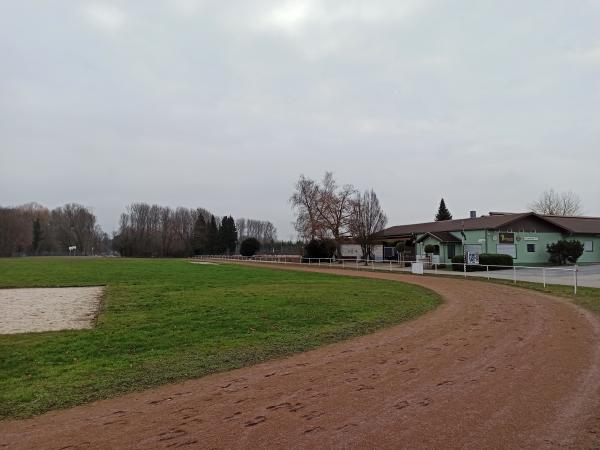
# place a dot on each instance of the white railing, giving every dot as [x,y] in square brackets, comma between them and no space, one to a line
[544,275]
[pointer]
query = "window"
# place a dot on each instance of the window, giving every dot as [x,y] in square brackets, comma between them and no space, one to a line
[436,249]
[530,248]
[473,248]
[451,251]
[507,249]
[588,246]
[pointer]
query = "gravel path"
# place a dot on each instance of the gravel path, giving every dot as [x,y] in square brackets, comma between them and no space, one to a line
[492,367]
[48,309]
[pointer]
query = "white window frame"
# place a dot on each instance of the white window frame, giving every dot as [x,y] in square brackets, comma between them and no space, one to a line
[588,248]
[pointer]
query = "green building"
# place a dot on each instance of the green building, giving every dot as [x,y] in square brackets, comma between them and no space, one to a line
[524,236]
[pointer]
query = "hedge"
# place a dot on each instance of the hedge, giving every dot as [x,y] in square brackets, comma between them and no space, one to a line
[485,259]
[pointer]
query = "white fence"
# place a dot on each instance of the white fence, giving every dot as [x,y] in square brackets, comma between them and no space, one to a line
[544,275]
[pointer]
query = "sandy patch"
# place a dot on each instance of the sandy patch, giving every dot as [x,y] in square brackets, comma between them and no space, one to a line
[48,309]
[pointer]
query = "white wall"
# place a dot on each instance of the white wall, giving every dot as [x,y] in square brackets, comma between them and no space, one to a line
[354,250]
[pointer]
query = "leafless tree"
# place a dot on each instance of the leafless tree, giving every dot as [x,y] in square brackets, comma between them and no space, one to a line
[304,201]
[323,210]
[334,208]
[557,204]
[366,220]
[262,230]
[74,224]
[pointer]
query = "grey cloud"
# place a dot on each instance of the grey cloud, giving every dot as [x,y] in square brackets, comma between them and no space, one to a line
[224,104]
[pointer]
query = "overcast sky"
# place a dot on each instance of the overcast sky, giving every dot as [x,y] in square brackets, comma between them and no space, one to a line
[223,104]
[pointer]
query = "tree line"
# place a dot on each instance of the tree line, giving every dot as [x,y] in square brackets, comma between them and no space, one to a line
[144,231]
[33,229]
[160,231]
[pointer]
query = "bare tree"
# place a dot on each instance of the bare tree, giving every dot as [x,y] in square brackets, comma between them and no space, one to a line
[557,204]
[334,208]
[304,201]
[323,210]
[366,220]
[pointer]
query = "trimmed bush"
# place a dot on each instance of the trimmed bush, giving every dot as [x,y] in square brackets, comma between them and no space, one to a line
[249,247]
[485,259]
[489,259]
[429,248]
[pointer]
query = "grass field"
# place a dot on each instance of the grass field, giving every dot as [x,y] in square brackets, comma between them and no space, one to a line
[169,320]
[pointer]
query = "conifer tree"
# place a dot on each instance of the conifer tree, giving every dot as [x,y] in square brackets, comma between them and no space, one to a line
[212,236]
[200,236]
[443,212]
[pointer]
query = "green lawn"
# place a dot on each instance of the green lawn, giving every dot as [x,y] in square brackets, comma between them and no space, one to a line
[169,320]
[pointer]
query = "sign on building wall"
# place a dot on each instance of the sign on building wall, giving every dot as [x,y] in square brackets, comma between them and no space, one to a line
[506,238]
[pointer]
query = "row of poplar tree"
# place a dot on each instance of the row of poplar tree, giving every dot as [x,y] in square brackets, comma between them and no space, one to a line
[210,237]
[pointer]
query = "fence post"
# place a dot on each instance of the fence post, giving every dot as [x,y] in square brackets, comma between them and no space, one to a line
[373,265]
[390,265]
[575,274]
[465,269]
[515,274]
[544,276]
[487,268]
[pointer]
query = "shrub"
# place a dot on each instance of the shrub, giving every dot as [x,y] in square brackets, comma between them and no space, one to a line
[429,248]
[249,247]
[319,248]
[489,259]
[564,251]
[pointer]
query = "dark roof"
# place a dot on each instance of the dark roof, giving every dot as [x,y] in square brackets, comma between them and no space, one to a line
[584,225]
[442,236]
[494,221]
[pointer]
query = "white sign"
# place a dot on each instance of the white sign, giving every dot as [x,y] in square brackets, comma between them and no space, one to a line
[472,258]
[417,268]
[531,238]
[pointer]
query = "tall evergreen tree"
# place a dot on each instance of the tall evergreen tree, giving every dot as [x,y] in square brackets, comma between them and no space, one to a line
[443,212]
[200,236]
[222,236]
[232,235]
[212,236]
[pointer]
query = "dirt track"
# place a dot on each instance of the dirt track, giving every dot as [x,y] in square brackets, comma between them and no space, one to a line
[493,367]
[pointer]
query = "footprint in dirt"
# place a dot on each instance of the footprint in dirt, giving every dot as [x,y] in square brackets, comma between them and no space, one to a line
[346,427]
[313,415]
[425,402]
[364,387]
[257,420]
[159,401]
[401,405]
[171,434]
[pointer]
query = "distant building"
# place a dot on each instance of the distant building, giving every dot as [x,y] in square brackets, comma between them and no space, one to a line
[524,236]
